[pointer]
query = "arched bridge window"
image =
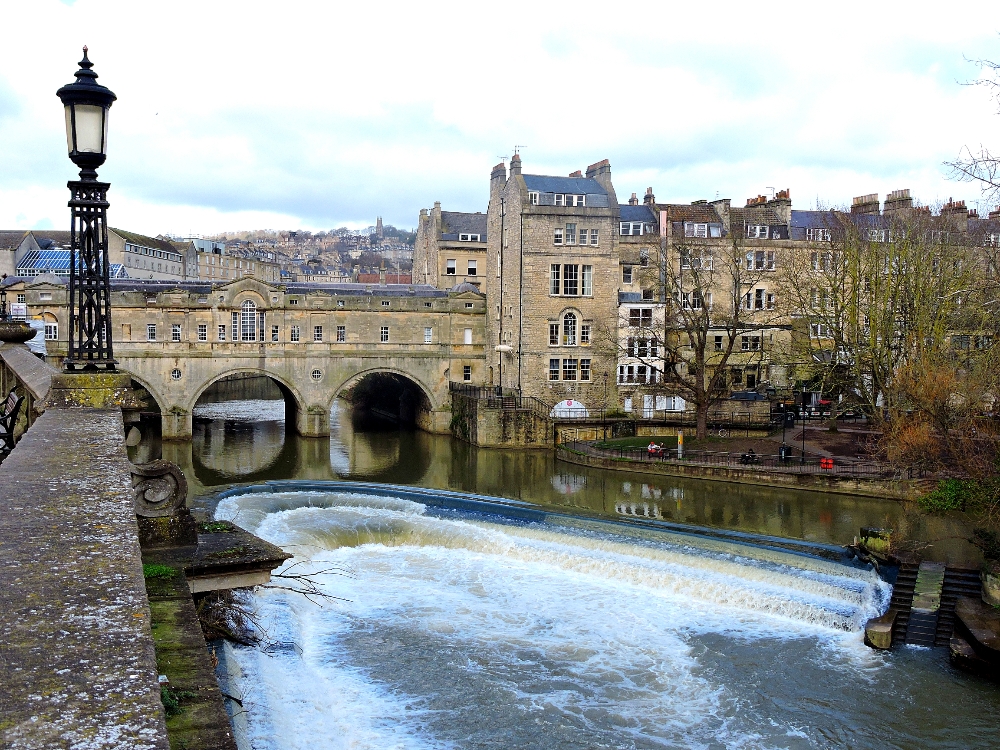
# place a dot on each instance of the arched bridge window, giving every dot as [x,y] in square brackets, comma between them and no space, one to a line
[248,321]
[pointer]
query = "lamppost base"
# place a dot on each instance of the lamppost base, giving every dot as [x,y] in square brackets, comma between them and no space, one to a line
[89,365]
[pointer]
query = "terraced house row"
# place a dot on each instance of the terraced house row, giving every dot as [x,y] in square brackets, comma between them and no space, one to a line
[646,306]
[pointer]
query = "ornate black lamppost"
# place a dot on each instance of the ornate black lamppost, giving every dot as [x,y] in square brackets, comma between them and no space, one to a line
[87,103]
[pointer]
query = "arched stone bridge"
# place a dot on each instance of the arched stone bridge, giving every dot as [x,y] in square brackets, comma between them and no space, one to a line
[314,340]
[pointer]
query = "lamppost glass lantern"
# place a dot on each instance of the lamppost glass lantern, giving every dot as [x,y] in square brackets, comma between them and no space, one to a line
[86,104]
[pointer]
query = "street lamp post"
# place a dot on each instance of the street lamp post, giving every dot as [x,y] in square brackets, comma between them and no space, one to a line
[86,104]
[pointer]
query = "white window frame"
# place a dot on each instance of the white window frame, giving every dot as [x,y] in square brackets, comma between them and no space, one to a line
[317,333]
[341,334]
[576,200]
[559,199]
[151,332]
[451,267]
[533,197]
[383,335]
[51,331]
[473,268]
[428,335]
[557,237]
[203,331]
[175,332]
[468,238]
[626,274]
[295,334]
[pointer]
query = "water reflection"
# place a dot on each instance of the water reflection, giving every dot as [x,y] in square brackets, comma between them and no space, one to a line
[228,450]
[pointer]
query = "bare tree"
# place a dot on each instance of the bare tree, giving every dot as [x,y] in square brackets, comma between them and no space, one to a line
[878,294]
[716,312]
[980,164]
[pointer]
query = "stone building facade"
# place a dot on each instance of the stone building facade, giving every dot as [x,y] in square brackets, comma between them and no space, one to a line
[450,248]
[551,283]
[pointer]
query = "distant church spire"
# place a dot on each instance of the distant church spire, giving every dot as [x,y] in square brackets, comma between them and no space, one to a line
[378,228]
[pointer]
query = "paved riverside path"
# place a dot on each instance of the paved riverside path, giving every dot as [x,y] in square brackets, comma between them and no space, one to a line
[77,668]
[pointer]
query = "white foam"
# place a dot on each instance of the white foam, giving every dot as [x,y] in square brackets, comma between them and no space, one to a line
[578,623]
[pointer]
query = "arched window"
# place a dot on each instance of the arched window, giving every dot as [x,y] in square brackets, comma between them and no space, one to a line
[569,330]
[248,322]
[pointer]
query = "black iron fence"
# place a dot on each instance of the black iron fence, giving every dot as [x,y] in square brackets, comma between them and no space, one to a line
[790,462]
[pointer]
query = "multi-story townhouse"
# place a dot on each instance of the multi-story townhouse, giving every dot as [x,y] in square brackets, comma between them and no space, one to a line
[552,280]
[450,248]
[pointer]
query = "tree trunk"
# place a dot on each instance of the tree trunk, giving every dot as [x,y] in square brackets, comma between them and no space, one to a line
[702,416]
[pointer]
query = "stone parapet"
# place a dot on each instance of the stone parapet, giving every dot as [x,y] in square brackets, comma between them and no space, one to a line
[77,667]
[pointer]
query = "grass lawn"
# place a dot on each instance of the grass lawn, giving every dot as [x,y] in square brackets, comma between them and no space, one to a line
[638,442]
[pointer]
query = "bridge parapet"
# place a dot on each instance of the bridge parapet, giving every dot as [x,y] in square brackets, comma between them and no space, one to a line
[77,667]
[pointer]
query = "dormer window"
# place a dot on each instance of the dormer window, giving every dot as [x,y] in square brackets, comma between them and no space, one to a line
[631,228]
[533,197]
[576,200]
[468,238]
[757,231]
[560,199]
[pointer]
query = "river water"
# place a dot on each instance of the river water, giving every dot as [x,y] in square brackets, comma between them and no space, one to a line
[451,630]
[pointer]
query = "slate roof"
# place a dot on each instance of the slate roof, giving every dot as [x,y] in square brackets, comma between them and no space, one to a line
[753,215]
[813,219]
[141,239]
[572,185]
[454,222]
[10,239]
[637,213]
[701,213]
[59,237]
[297,287]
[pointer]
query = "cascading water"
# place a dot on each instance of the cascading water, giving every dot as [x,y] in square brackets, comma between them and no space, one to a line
[453,630]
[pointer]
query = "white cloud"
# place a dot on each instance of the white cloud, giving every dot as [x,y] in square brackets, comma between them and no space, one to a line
[315,114]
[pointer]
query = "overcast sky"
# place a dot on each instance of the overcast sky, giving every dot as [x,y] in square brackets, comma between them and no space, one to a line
[313,115]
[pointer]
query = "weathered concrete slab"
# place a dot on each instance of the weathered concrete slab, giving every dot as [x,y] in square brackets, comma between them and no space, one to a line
[77,668]
[981,624]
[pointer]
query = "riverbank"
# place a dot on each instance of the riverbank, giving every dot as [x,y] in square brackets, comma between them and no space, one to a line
[884,488]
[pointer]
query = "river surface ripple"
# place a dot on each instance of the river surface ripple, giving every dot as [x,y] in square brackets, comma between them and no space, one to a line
[451,630]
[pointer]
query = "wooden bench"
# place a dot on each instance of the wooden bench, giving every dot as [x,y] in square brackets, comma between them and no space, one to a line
[8,420]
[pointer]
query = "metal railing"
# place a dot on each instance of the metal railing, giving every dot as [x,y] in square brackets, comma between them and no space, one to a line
[792,464]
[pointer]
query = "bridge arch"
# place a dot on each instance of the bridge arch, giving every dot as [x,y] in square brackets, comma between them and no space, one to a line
[295,404]
[147,385]
[415,404]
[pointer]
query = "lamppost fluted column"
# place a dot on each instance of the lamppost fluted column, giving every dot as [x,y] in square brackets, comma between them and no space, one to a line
[86,103]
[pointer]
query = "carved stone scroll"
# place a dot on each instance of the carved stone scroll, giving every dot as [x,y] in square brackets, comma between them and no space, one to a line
[160,489]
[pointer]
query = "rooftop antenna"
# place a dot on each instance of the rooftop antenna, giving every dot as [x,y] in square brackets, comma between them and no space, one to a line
[517,149]
[503,160]
[772,191]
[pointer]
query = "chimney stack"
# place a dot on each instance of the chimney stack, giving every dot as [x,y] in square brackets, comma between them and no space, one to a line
[897,200]
[515,165]
[865,205]
[633,201]
[649,199]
